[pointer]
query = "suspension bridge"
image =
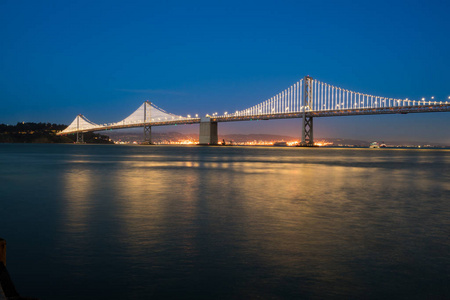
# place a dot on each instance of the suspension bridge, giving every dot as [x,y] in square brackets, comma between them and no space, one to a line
[307,99]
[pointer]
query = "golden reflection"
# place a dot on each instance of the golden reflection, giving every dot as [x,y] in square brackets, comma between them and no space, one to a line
[77,213]
[78,187]
[154,201]
[291,212]
[294,216]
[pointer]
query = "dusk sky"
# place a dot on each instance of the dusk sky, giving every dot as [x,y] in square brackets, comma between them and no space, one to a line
[104,58]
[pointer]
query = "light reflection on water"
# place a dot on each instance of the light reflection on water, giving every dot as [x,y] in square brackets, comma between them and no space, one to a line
[231,222]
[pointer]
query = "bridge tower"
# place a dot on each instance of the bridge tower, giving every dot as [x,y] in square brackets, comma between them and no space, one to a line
[147,128]
[80,135]
[307,120]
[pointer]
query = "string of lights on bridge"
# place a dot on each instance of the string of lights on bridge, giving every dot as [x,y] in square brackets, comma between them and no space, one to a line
[321,98]
[325,97]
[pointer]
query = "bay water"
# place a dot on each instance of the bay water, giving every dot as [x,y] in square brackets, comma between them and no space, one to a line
[192,222]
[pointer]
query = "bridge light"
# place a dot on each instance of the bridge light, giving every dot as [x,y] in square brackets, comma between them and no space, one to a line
[423,99]
[196,115]
[189,116]
[225,113]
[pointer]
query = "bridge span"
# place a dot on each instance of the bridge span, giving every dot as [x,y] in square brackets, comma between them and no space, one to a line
[307,99]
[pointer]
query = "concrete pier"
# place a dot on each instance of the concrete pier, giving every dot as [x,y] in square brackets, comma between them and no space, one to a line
[208,132]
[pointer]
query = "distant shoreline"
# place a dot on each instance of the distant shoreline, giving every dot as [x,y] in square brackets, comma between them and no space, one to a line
[239,146]
[45,133]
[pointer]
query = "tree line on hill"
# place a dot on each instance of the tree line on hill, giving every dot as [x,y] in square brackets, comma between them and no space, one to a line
[29,132]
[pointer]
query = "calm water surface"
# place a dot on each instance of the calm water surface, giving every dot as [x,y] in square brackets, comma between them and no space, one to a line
[136,222]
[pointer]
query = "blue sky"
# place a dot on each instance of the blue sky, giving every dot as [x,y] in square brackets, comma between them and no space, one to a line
[104,58]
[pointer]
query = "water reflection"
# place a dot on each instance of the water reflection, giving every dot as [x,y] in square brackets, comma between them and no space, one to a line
[262,223]
[78,193]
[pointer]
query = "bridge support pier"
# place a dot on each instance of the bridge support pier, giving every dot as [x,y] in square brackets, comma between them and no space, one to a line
[147,135]
[208,132]
[307,132]
[80,138]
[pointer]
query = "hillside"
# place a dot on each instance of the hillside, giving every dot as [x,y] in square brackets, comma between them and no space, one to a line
[28,132]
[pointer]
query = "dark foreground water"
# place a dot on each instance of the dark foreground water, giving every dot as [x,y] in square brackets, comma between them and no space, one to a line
[125,222]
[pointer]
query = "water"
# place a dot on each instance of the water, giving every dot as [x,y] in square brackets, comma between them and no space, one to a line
[136,222]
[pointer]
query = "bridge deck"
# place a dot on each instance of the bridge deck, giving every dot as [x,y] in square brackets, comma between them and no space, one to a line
[442,107]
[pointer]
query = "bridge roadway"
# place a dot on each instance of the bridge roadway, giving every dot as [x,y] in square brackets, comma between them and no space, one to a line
[209,135]
[307,99]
